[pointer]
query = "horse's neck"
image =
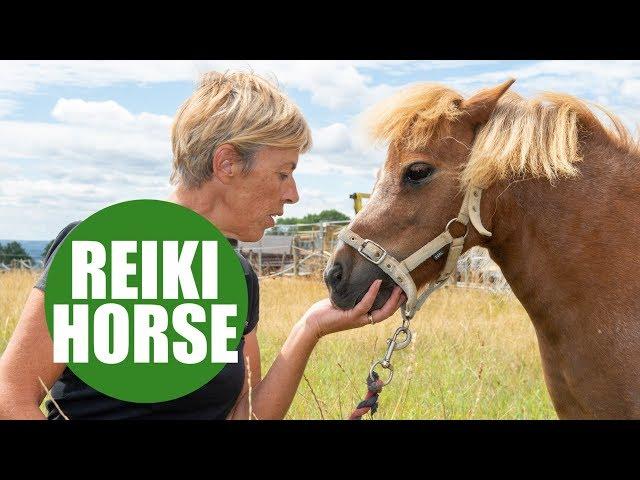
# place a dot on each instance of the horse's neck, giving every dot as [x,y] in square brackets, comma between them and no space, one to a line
[570,249]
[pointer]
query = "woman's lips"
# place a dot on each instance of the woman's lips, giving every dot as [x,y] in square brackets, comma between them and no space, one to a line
[272,218]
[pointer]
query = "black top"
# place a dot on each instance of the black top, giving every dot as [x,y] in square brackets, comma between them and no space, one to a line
[213,400]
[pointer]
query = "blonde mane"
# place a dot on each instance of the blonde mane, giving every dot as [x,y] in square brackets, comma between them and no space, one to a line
[537,137]
[414,117]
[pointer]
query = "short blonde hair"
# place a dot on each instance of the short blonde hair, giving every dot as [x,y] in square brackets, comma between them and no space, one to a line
[242,109]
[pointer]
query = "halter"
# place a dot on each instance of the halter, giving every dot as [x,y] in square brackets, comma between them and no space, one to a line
[400,272]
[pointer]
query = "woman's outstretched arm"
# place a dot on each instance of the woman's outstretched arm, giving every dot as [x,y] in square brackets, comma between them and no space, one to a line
[272,396]
[26,360]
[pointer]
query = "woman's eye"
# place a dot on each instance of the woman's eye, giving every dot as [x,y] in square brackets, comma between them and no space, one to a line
[418,172]
[283,176]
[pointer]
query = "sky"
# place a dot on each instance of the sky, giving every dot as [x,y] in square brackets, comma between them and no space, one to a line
[78,136]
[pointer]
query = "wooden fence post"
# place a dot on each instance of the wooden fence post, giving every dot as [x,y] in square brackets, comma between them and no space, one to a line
[294,250]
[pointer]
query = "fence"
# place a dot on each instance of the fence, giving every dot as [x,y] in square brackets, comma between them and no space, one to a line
[301,249]
[304,249]
[21,264]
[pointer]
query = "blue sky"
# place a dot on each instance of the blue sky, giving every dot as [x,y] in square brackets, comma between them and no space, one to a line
[77,136]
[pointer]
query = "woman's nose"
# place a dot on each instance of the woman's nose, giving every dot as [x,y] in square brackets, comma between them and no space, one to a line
[291,196]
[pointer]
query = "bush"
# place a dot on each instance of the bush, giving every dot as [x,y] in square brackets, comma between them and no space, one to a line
[13,251]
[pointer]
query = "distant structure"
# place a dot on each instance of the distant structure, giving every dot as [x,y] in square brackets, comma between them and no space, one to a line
[357,200]
[477,269]
[301,249]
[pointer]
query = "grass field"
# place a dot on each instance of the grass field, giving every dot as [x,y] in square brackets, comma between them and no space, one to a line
[474,355]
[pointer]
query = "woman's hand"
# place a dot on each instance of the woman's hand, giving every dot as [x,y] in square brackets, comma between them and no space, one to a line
[324,318]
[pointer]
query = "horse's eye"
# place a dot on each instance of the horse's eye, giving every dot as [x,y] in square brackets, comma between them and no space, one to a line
[418,173]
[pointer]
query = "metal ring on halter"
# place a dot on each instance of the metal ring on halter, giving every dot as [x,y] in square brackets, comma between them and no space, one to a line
[466,227]
[390,368]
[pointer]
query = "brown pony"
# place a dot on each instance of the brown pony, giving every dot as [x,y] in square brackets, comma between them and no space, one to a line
[561,196]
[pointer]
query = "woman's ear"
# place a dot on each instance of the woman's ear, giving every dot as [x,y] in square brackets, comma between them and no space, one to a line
[225,162]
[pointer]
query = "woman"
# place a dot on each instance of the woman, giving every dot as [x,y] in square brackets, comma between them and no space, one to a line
[236,143]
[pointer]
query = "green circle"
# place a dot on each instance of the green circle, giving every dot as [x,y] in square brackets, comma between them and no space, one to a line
[150,220]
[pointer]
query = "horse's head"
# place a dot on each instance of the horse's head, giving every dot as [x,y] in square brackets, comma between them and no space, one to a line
[430,130]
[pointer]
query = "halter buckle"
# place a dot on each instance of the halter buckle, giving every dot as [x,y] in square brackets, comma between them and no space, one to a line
[377,261]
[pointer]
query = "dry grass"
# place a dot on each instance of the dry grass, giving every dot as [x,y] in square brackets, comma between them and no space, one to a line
[15,286]
[474,355]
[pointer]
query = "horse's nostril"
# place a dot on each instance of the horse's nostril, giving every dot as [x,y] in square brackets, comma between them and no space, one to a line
[335,275]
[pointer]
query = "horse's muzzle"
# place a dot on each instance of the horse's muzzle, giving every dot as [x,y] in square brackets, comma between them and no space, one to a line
[348,281]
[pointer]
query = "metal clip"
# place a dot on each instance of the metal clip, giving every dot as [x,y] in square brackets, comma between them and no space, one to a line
[399,345]
[393,345]
[388,366]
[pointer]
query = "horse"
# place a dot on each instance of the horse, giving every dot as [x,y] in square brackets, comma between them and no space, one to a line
[558,214]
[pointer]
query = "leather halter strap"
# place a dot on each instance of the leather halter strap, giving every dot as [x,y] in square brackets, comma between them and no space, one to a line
[400,271]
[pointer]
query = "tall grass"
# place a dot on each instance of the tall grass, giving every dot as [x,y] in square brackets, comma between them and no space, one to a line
[474,354]
[15,286]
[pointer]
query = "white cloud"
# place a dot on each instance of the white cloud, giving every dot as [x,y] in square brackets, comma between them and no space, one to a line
[349,162]
[39,208]
[631,88]
[51,193]
[332,84]
[7,106]
[28,76]
[8,169]
[315,204]
[334,138]
[92,154]
[56,143]
[109,115]
[97,114]
[99,154]
[613,84]
[343,149]
[99,134]
[591,78]
[312,164]
[342,138]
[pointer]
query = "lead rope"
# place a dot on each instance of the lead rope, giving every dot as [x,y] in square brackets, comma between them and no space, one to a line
[374,383]
[370,402]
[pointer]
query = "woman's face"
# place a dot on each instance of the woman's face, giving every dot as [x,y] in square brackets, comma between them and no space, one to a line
[260,195]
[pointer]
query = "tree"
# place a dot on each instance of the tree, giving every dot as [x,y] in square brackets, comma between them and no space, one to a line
[324,216]
[13,251]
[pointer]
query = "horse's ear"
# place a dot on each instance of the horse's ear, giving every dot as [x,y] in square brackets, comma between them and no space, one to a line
[481,105]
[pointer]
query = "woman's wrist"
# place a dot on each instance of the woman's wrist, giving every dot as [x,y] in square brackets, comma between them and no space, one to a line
[310,323]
